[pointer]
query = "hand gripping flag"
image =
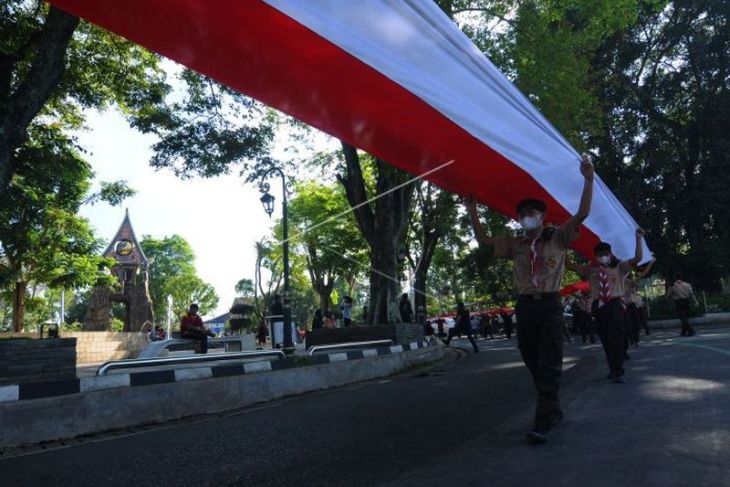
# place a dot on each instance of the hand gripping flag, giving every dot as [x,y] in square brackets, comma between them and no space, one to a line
[395,78]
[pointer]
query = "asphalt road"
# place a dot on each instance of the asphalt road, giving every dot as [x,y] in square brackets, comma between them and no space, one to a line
[460,423]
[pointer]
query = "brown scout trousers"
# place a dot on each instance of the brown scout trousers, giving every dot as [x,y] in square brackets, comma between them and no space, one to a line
[540,339]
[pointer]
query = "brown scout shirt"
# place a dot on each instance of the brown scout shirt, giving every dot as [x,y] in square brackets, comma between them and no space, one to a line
[681,290]
[551,259]
[616,279]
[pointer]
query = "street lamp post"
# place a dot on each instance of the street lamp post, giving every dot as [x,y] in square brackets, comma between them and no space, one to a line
[268,201]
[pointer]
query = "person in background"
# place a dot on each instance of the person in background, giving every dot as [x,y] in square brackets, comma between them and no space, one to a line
[346,308]
[583,310]
[607,277]
[507,320]
[681,292]
[487,331]
[405,309]
[634,303]
[261,333]
[160,333]
[462,326]
[329,320]
[317,320]
[191,326]
[475,322]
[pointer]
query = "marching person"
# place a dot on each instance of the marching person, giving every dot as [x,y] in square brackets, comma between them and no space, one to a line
[463,325]
[608,277]
[681,292]
[634,303]
[507,320]
[539,262]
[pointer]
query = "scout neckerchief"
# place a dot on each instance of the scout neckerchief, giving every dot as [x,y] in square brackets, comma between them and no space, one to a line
[546,234]
[604,288]
[534,261]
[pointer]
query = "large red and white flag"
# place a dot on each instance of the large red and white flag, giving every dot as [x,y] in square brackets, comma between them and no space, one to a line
[395,78]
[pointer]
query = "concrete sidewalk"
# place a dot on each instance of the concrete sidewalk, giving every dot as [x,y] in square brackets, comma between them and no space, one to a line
[667,426]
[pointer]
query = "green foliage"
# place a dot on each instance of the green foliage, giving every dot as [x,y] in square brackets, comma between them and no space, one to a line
[111,192]
[245,288]
[74,326]
[42,240]
[172,273]
[324,231]
[643,85]
[115,324]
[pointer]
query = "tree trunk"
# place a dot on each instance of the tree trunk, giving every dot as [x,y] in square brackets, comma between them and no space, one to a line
[19,305]
[383,223]
[383,286]
[419,284]
[325,296]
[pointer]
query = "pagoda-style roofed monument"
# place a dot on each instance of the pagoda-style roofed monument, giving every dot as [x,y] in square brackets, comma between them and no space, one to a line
[133,289]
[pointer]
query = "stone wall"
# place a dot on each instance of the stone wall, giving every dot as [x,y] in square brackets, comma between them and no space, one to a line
[99,346]
[27,360]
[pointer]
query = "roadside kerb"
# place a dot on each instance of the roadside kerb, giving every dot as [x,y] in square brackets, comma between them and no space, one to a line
[32,413]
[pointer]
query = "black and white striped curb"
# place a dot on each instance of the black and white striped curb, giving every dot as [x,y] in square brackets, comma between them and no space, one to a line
[39,390]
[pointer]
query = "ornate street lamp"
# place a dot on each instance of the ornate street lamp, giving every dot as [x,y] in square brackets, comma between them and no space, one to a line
[268,201]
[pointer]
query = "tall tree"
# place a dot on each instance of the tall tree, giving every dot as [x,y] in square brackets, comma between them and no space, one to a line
[42,240]
[172,272]
[328,236]
[52,66]
[435,215]
[647,91]
[383,224]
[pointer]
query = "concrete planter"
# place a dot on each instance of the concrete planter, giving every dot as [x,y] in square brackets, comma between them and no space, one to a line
[400,333]
[27,360]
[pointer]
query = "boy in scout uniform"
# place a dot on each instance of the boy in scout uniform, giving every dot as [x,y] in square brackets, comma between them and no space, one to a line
[607,277]
[681,292]
[634,303]
[539,262]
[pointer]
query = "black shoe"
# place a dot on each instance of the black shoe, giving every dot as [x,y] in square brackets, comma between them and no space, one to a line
[619,380]
[476,350]
[626,356]
[536,437]
[609,376]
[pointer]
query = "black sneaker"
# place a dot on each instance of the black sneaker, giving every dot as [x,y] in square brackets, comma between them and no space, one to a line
[536,437]
[619,380]
[609,376]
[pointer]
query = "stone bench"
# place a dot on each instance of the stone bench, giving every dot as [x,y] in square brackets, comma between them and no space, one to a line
[238,343]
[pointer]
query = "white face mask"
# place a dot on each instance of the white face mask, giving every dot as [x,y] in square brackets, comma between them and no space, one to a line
[530,222]
[604,259]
